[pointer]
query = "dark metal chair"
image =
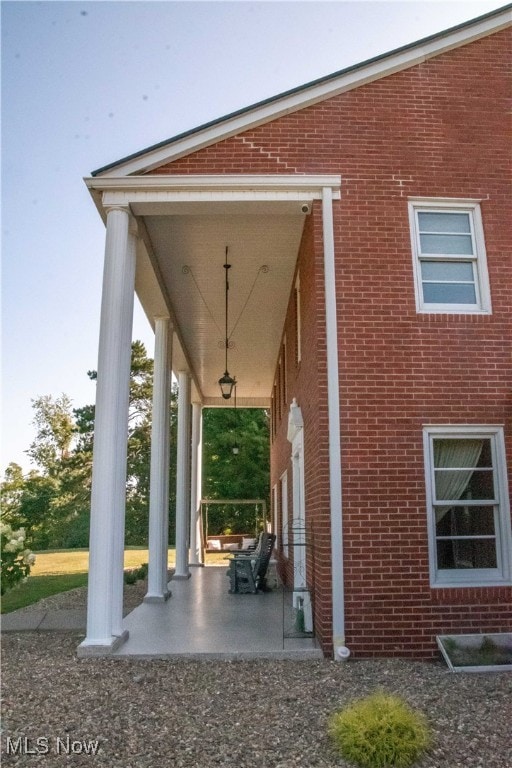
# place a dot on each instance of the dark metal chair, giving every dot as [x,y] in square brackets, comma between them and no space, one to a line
[247,572]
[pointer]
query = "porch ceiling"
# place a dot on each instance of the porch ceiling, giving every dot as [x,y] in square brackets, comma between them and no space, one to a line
[188,254]
[184,225]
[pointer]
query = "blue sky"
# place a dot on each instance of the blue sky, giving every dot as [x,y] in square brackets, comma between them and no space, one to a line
[87,83]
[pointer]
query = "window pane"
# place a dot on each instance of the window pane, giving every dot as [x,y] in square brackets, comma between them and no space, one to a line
[481,485]
[448,293]
[476,553]
[462,452]
[464,484]
[465,521]
[457,244]
[456,271]
[443,222]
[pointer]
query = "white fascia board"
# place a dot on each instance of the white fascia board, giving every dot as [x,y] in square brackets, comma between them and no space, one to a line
[125,191]
[309,95]
[212,183]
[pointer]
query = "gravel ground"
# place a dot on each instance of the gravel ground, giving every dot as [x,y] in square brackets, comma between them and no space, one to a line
[189,714]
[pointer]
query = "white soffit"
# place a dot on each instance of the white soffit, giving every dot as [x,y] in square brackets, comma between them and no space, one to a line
[262,251]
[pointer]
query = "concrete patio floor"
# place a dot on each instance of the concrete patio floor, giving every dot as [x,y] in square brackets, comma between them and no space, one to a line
[201,620]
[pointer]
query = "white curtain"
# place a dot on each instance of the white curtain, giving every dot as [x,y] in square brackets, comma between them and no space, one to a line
[456,454]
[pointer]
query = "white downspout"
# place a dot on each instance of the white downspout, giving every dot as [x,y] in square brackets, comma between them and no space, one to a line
[333,400]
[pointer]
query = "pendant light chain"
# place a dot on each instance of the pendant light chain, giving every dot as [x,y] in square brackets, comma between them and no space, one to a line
[226,382]
[227,267]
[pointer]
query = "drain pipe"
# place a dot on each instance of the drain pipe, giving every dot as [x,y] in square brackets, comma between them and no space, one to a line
[341,652]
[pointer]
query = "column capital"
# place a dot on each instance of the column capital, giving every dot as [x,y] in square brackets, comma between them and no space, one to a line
[123,208]
[133,228]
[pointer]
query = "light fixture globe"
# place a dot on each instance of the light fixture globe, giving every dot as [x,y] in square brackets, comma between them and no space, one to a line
[226,384]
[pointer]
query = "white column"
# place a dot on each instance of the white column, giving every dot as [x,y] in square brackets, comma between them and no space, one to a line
[124,406]
[333,400]
[183,477]
[196,485]
[158,591]
[110,438]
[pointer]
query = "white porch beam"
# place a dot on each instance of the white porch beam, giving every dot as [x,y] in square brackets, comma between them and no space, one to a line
[106,548]
[143,193]
[183,477]
[333,400]
[158,591]
[196,485]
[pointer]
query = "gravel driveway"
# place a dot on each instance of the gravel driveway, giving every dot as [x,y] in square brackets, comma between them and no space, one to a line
[249,714]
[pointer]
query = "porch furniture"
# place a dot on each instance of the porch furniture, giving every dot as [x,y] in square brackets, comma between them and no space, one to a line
[247,572]
[231,542]
[249,546]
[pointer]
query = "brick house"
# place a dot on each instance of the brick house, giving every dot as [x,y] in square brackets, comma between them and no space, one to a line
[379,201]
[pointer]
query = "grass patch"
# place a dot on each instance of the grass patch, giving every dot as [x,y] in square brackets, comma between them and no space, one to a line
[37,587]
[60,561]
[59,570]
[380,731]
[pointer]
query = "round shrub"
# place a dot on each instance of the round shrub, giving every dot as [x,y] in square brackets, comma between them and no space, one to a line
[380,731]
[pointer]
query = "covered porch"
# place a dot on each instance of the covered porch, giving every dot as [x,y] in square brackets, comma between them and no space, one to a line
[168,239]
[203,621]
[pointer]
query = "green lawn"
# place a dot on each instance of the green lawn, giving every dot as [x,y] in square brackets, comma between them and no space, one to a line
[60,570]
[37,587]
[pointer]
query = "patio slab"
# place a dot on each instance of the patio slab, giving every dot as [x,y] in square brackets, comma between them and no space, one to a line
[202,620]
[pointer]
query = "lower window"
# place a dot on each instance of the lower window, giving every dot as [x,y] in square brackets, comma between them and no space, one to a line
[468,508]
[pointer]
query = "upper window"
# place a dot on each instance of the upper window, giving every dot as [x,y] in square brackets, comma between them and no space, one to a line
[449,260]
[469,517]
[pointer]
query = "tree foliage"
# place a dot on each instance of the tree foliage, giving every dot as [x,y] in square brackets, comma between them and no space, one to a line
[53,419]
[226,475]
[52,503]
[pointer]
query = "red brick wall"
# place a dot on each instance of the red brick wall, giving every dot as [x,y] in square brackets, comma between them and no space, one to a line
[439,130]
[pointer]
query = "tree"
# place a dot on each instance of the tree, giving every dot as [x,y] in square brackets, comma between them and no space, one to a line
[235,476]
[55,427]
[53,503]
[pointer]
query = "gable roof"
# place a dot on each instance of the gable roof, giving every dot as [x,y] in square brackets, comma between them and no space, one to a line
[310,93]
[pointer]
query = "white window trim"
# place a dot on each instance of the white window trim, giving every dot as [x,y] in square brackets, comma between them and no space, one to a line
[285,377]
[298,320]
[284,511]
[483,305]
[484,577]
[275,516]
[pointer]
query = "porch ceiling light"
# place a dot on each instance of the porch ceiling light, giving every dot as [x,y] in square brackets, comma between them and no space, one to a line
[226,382]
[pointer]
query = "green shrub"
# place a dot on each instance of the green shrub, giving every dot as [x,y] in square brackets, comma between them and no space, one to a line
[16,560]
[134,574]
[380,731]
